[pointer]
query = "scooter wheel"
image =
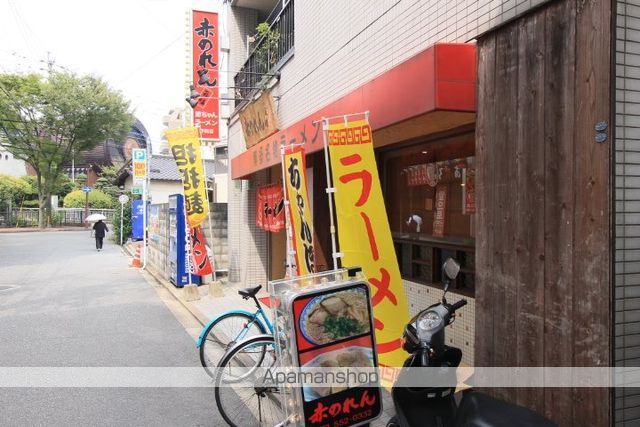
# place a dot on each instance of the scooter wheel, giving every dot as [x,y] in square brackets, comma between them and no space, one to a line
[393,422]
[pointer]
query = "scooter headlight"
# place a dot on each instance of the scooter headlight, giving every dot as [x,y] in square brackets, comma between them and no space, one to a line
[428,322]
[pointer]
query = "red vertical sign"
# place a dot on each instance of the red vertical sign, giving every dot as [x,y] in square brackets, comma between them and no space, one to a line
[205,73]
[442,191]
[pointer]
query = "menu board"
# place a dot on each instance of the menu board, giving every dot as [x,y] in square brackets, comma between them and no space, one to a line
[334,329]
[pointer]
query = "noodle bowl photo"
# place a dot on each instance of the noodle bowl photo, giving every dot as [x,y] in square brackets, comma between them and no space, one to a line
[335,316]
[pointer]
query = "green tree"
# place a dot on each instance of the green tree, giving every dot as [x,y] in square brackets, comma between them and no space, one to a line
[97,199]
[44,120]
[80,181]
[106,182]
[14,189]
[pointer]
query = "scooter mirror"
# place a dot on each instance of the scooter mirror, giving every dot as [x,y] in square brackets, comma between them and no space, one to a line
[451,268]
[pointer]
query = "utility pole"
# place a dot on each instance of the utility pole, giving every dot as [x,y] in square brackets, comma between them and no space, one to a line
[50,63]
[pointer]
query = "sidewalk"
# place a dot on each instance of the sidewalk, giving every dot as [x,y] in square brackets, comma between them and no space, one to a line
[208,307]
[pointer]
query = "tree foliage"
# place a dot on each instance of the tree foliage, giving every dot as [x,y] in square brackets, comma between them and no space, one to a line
[14,189]
[97,200]
[106,182]
[44,120]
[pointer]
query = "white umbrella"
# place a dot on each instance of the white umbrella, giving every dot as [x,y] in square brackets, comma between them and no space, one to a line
[95,218]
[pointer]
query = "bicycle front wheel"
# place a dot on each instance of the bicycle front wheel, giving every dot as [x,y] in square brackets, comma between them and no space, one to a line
[227,330]
[249,402]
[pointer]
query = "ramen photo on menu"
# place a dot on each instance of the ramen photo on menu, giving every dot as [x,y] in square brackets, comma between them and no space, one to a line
[336,316]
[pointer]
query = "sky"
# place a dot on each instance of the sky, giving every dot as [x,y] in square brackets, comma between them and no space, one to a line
[136,46]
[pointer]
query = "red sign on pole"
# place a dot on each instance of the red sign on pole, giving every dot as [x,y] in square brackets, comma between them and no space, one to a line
[205,73]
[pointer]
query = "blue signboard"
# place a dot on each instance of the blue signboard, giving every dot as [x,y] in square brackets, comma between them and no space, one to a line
[137,226]
[178,243]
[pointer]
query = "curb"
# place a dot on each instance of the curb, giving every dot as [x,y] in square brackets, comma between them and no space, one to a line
[149,273]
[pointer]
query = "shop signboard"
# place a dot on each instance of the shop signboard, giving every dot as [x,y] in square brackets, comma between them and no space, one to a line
[329,320]
[363,231]
[259,119]
[139,164]
[442,192]
[295,171]
[205,51]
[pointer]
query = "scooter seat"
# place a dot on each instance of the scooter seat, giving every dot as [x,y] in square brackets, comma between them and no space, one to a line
[480,410]
[249,292]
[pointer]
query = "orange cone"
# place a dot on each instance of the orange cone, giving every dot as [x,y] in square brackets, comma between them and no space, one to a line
[135,262]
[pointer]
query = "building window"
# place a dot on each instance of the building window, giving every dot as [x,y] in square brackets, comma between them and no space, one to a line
[430,201]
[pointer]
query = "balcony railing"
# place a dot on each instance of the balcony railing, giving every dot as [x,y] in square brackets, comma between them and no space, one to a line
[268,54]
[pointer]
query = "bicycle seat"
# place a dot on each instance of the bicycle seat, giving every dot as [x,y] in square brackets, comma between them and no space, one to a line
[249,292]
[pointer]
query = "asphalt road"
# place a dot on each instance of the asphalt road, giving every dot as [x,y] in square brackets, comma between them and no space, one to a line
[63,304]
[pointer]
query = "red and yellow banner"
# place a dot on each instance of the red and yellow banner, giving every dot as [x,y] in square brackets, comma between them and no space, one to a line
[199,256]
[299,209]
[364,234]
[185,147]
[205,73]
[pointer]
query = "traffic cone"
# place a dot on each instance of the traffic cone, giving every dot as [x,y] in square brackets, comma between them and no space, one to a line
[135,262]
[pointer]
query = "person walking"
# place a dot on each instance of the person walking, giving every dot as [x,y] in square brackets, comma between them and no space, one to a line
[100,228]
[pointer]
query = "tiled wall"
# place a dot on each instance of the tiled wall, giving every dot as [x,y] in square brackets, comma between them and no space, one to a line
[460,333]
[627,205]
[341,45]
[248,262]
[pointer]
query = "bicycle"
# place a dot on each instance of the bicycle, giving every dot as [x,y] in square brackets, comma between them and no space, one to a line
[251,403]
[229,328]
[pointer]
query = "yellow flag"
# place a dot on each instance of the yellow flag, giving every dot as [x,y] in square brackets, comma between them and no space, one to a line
[185,147]
[299,209]
[364,234]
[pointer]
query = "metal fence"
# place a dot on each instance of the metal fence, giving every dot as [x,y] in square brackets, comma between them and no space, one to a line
[28,217]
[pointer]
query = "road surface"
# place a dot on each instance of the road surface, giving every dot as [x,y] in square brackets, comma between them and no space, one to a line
[63,304]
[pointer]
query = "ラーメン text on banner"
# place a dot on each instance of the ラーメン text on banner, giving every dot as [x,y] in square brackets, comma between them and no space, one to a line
[364,234]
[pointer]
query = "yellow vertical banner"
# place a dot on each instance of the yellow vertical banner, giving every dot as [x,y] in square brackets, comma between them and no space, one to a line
[185,147]
[295,172]
[364,234]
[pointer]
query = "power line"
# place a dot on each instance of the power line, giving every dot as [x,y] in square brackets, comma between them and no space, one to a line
[148,61]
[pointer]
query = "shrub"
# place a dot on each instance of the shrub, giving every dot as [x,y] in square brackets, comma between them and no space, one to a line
[30,204]
[14,189]
[97,199]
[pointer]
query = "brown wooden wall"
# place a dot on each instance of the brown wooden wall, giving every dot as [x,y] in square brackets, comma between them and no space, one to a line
[543,237]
